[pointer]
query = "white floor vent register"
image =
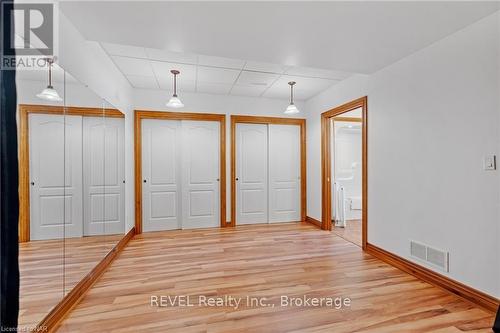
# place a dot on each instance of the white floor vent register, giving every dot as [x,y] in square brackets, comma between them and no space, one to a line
[430,255]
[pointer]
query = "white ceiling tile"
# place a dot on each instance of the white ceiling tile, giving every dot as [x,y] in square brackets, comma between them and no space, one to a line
[220,62]
[166,83]
[217,75]
[247,90]
[277,92]
[317,73]
[143,82]
[133,66]
[213,88]
[304,88]
[169,56]
[305,83]
[265,67]
[256,78]
[162,70]
[124,50]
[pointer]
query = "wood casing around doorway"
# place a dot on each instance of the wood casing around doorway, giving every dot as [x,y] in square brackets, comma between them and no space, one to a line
[235,119]
[326,195]
[144,114]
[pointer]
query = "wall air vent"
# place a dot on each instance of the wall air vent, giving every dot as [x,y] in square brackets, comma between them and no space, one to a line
[430,255]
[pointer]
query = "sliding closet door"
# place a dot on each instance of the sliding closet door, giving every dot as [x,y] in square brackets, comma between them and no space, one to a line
[284,173]
[200,174]
[251,173]
[55,154]
[103,189]
[161,206]
[114,176]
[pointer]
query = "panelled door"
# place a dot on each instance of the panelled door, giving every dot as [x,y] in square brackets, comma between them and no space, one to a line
[161,175]
[56,176]
[252,173]
[200,174]
[103,176]
[284,173]
[181,174]
[268,169]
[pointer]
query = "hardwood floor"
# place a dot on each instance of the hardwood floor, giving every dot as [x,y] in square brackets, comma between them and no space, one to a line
[264,261]
[48,268]
[351,232]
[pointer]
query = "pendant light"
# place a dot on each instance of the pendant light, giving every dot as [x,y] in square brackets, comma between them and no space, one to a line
[174,101]
[49,93]
[291,109]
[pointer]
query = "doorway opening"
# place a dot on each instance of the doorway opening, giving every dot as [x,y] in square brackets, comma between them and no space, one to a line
[344,171]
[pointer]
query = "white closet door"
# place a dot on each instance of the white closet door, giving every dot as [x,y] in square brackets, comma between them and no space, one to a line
[200,174]
[56,176]
[284,173]
[251,173]
[103,175]
[161,206]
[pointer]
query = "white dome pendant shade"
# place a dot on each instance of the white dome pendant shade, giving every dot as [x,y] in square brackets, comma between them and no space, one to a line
[49,93]
[174,101]
[291,109]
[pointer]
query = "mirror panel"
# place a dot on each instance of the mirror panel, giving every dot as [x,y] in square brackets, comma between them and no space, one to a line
[42,170]
[85,239]
[72,186]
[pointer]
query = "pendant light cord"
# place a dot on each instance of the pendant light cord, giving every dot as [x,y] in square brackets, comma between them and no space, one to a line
[175,85]
[49,62]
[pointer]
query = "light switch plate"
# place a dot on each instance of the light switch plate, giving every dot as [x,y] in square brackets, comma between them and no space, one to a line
[489,162]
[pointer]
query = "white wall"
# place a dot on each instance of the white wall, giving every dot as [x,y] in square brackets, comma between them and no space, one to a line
[431,118]
[226,104]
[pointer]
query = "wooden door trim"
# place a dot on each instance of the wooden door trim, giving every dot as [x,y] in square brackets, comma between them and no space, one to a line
[139,115]
[326,222]
[24,165]
[269,120]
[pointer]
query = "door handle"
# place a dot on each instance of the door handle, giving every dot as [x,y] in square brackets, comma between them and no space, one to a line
[218,179]
[32,183]
[237,178]
[144,181]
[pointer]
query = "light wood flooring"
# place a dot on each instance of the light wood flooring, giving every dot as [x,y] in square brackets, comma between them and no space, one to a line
[48,268]
[264,261]
[351,232]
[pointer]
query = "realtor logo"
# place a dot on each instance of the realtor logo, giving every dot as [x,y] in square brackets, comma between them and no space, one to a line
[31,34]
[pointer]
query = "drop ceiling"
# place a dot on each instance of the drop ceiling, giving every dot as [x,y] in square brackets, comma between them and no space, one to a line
[147,68]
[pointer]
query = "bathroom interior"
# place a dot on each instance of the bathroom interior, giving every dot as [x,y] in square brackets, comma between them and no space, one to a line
[347,184]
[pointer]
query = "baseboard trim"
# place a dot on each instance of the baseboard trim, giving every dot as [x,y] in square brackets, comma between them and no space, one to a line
[313,221]
[52,320]
[470,294]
